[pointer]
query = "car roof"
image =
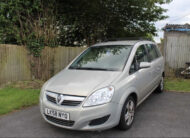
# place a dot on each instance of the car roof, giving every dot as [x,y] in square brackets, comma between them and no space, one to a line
[124,42]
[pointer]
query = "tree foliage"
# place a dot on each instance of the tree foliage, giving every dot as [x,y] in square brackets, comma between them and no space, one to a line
[100,19]
[28,22]
[37,23]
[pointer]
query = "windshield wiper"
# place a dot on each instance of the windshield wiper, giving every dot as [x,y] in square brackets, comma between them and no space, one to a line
[88,68]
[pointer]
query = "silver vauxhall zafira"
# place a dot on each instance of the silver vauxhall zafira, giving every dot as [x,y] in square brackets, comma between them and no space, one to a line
[102,87]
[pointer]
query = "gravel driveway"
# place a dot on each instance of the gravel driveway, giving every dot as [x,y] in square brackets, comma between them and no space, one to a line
[161,115]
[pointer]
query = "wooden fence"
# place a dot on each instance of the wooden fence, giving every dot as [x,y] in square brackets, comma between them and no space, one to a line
[17,64]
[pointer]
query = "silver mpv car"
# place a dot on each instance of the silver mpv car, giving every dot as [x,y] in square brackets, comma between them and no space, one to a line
[102,87]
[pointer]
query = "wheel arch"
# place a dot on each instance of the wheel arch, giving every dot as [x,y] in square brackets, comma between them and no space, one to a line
[129,92]
[135,97]
[132,93]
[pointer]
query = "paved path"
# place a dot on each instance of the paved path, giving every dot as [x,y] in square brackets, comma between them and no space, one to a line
[161,115]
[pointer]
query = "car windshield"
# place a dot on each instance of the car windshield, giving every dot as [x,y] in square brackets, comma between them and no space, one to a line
[108,58]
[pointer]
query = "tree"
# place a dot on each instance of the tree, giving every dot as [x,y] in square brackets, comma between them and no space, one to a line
[28,22]
[39,23]
[94,20]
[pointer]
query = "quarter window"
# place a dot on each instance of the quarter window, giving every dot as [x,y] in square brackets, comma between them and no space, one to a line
[158,51]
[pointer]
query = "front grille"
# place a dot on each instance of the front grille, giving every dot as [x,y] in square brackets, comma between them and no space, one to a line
[70,103]
[69,100]
[68,123]
[51,99]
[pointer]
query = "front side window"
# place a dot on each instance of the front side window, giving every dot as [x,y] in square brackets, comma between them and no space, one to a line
[140,56]
[110,58]
[152,51]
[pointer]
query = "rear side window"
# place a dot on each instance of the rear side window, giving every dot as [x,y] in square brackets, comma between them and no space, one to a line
[152,52]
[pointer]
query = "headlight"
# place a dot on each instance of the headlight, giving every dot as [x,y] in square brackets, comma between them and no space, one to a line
[100,96]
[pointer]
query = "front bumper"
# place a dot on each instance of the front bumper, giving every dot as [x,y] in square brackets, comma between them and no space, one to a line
[82,116]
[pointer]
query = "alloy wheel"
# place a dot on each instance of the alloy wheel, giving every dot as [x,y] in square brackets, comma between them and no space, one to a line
[130,111]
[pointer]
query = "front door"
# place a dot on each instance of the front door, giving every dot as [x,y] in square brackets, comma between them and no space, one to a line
[143,77]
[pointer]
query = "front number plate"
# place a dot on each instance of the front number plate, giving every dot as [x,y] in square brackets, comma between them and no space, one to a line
[57,114]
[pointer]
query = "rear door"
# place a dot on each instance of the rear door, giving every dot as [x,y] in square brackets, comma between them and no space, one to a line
[155,64]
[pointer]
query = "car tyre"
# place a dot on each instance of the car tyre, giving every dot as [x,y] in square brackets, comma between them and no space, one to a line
[127,114]
[160,87]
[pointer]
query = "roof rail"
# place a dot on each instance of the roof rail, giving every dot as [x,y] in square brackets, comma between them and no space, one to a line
[126,38]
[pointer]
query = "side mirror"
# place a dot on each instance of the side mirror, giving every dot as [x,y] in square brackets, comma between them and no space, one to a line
[145,65]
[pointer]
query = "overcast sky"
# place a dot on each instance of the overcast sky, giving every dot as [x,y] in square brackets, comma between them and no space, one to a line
[178,12]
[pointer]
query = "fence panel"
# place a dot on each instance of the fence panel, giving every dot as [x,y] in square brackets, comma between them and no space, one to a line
[17,64]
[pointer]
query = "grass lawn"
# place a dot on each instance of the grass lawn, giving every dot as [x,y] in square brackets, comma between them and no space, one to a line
[15,98]
[178,85]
